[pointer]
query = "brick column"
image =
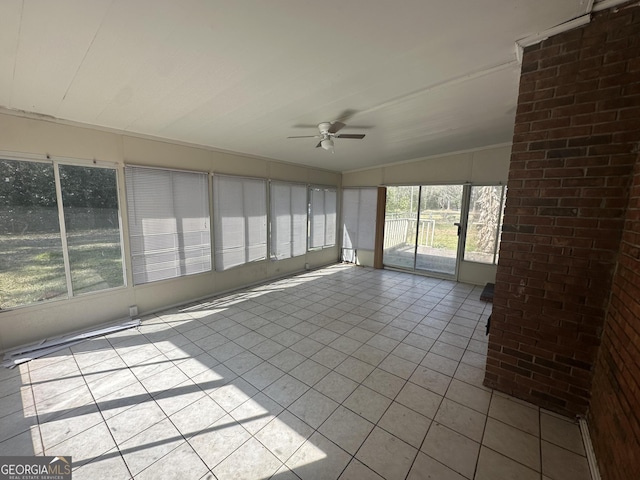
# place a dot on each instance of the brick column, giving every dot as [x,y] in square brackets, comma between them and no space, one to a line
[574,147]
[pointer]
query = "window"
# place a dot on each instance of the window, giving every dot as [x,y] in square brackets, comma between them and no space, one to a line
[92,225]
[31,261]
[486,208]
[322,222]
[169,225]
[358,221]
[44,259]
[240,216]
[288,220]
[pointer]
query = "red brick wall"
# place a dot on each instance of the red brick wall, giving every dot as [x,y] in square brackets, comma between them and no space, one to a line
[614,415]
[574,147]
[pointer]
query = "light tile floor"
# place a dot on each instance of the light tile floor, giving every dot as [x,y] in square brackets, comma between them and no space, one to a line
[343,372]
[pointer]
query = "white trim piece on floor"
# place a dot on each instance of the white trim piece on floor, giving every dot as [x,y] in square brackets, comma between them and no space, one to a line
[45,347]
[588,448]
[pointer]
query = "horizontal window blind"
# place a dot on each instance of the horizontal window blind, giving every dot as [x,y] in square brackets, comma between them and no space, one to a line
[331,217]
[169,227]
[317,220]
[240,220]
[358,220]
[288,220]
[322,224]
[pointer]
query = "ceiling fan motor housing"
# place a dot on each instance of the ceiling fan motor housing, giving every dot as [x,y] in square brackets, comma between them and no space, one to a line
[324,127]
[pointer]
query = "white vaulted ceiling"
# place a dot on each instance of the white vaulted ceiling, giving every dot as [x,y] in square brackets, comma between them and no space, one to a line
[424,77]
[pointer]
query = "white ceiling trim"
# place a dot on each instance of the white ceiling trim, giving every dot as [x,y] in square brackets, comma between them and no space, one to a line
[125,133]
[566,26]
[605,4]
[540,37]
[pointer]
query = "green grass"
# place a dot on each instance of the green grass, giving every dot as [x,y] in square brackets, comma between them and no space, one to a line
[32,266]
[445,237]
[95,266]
[48,256]
[446,234]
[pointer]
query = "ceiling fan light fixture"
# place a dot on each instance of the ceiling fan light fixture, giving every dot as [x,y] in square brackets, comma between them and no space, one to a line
[327,144]
[329,131]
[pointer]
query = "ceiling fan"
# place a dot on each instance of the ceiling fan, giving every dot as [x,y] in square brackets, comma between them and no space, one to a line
[329,131]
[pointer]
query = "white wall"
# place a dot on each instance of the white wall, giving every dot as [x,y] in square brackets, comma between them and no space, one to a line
[484,166]
[38,138]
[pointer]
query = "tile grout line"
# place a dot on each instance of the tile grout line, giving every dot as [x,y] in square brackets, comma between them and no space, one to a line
[167,417]
[210,469]
[374,425]
[434,421]
[418,450]
[376,366]
[35,406]
[104,420]
[331,369]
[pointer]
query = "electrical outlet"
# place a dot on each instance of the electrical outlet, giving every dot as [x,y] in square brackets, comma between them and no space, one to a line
[133,311]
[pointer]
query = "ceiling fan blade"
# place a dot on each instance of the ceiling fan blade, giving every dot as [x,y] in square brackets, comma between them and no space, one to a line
[336,126]
[319,144]
[359,136]
[307,136]
[346,115]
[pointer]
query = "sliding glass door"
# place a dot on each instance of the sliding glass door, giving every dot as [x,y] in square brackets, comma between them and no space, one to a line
[401,227]
[438,229]
[422,228]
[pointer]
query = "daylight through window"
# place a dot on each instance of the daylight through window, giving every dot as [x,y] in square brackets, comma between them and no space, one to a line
[486,209]
[240,220]
[169,225]
[288,220]
[44,259]
[322,217]
[358,221]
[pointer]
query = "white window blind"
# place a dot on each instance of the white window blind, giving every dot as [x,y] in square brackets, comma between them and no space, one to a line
[240,216]
[322,231]
[169,225]
[288,220]
[331,217]
[358,221]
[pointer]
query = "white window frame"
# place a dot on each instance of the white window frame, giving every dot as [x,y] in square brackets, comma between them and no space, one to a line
[498,232]
[55,164]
